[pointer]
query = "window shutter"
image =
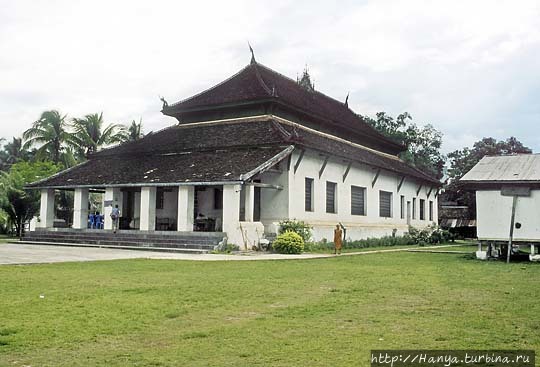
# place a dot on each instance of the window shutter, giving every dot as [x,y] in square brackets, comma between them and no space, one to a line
[358,200]
[385,204]
[330,197]
[309,195]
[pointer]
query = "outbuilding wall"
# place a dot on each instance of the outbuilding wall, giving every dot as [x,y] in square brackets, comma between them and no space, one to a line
[358,226]
[493,214]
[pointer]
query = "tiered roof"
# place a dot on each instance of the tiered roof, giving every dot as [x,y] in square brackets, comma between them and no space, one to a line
[257,83]
[215,152]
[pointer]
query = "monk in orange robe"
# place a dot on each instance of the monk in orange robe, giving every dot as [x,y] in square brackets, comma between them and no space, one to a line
[338,239]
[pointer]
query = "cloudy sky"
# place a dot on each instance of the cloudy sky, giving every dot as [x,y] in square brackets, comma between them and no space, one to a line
[470,68]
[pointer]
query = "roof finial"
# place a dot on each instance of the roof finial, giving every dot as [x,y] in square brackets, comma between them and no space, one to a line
[305,81]
[253,61]
[165,104]
[347,100]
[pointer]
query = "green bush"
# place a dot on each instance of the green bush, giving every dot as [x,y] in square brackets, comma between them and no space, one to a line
[297,226]
[386,241]
[429,235]
[288,243]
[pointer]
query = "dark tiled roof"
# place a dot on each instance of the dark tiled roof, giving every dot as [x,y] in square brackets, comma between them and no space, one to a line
[345,150]
[200,137]
[257,82]
[220,165]
[221,151]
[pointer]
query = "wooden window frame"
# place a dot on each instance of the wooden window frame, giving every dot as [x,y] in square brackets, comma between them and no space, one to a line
[334,208]
[391,195]
[362,210]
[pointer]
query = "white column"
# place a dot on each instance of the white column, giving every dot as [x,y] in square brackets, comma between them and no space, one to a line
[46,210]
[148,209]
[231,209]
[80,209]
[186,207]
[250,202]
[112,197]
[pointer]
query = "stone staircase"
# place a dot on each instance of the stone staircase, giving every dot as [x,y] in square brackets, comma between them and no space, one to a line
[184,242]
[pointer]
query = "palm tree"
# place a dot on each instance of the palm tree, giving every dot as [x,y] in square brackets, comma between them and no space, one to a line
[49,132]
[90,135]
[134,131]
[14,151]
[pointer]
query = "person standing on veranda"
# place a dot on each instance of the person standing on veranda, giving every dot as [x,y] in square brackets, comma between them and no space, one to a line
[115,216]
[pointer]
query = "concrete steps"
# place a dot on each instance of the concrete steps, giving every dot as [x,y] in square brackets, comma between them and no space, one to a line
[187,242]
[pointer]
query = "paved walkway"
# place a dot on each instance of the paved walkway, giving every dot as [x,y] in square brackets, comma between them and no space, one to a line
[14,253]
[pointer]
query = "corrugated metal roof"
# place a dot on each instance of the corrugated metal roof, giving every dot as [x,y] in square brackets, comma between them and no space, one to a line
[522,167]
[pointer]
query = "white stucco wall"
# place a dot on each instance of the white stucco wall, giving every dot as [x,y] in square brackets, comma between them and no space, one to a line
[358,227]
[493,213]
[274,203]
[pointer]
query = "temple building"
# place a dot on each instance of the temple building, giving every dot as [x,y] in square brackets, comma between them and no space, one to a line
[254,150]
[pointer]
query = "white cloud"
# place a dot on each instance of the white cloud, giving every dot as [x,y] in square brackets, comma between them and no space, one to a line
[468,67]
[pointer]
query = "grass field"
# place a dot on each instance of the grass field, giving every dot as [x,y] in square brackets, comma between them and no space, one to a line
[325,312]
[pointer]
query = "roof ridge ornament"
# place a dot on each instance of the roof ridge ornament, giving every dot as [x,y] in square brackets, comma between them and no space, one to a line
[165,104]
[253,61]
[347,100]
[305,81]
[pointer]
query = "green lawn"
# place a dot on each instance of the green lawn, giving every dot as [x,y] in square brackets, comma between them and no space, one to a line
[4,238]
[324,312]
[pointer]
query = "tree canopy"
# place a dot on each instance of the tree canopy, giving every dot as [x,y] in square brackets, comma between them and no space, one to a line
[21,205]
[49,134]
[423,143]
[462,160]
[90,134]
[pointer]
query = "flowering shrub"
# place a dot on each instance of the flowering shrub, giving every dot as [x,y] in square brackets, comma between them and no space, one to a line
[288,243]
[297,226]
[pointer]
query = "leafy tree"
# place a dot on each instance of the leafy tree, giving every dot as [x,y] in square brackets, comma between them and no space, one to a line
[18,204]
[49,133]
[463,160]
[90,134]
[423,143]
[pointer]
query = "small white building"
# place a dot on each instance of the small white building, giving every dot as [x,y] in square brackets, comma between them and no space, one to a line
[252,151]
[506,185]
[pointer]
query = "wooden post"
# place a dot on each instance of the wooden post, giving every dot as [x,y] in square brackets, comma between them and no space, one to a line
[513,217]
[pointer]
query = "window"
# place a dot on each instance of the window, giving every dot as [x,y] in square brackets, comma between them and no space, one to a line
[160,198]
[402,207]
[358,200]
[218,198]
[331,197]
[422,209]
[431,210]
[385,204]
[309,194]
[414,208]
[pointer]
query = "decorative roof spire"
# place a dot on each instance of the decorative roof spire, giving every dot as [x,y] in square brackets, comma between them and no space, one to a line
[305,81]
[165,104]
[347,100]
[253,61]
